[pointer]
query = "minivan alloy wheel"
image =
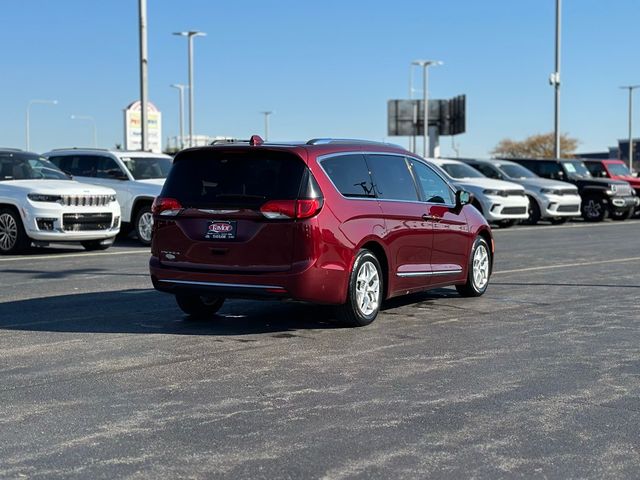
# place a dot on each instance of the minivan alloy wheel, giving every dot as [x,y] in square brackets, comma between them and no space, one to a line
[480,267]
[367,288]
[8,232]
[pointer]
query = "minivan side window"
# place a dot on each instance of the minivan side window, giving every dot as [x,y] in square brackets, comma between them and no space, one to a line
[350,174]
[392,178]
[434,188]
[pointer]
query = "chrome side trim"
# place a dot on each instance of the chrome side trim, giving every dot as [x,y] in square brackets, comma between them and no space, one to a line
[216,284]
[429,274]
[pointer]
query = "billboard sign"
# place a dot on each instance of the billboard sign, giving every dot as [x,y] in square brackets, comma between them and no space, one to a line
[133,127]
[406,117]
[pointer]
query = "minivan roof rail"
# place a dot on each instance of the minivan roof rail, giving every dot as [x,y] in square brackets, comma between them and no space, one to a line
[326,141]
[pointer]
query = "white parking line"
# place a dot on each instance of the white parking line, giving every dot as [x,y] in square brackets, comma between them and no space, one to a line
[569,265]
[542,228]
[72,255]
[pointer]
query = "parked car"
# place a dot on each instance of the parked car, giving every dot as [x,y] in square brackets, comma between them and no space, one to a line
[40,203]
[503,203]
[345,223]
[615,169]
[137,178]
[600,197]
[548,199]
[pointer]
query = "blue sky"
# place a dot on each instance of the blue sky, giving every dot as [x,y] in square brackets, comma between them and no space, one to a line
[325,68]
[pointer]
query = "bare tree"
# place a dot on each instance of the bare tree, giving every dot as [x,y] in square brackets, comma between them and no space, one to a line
[535,146]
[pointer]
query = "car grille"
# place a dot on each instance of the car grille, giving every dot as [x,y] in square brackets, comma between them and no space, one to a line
[82,222]
[514,210]
[567,208]
[567,192]
[85,200]
[623,190]
[509,193]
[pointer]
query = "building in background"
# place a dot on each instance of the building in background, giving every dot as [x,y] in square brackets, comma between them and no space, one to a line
[133,130]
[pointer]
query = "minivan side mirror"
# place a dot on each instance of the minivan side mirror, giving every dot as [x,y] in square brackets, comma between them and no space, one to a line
[463,198]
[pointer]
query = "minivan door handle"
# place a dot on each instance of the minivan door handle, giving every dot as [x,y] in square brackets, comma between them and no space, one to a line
[431,218]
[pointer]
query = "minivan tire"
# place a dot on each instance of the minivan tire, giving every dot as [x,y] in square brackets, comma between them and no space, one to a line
[534,212]
[199,306]
[476,286]
[364,297]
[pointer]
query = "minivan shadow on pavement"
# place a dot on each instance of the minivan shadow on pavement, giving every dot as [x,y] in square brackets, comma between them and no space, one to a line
[149,312]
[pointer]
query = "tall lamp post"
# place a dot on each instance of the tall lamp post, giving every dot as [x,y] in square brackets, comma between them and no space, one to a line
[27,126]
[181,88]
[631,88]
[93,124]
[425,64]
[144,62]
[415,107]
[554,80]
[266,124]
[190,34]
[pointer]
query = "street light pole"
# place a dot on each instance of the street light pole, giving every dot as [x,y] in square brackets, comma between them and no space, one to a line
[27,125]
[181,88]
[143,76]
[425,64]
[415,114]
[266,124]
[556,82]
[190,34]
[93,124]
[631,88]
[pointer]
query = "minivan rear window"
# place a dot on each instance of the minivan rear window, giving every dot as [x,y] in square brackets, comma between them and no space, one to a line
[233,178]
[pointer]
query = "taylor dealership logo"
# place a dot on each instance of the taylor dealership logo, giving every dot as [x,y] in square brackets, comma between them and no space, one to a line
[220,228]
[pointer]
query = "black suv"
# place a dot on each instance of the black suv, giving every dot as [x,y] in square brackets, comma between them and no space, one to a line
[600,197]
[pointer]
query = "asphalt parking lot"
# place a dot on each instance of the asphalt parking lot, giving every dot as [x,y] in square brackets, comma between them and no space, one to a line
[102,377]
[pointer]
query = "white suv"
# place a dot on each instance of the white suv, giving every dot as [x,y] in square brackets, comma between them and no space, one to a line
[39,203]
[548,199]
[137,178]
[502,203]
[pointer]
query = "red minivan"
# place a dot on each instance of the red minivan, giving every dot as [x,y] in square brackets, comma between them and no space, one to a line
[342,222]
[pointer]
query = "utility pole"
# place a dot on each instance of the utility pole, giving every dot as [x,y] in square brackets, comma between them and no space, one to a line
[266,125]
[425,64]
[180,88]
[555,81]
[144,100]
[631,88]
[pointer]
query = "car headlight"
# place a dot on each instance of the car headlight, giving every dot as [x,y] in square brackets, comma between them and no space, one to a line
[491,192]
[613,188]
[40,197]
[550,191]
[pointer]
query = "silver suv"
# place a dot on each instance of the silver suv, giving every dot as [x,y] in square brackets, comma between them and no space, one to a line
[548,199]
[137,178]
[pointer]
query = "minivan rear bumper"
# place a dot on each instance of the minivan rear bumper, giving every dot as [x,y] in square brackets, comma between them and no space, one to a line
[313,284]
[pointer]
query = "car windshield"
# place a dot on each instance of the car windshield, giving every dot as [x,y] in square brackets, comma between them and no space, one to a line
[618,170]
[517,171]
[460,170]
[145,168]
[576,168]
[18,166]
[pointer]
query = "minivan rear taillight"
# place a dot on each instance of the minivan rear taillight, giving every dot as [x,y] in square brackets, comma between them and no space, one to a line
[291,209]
[166,206]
